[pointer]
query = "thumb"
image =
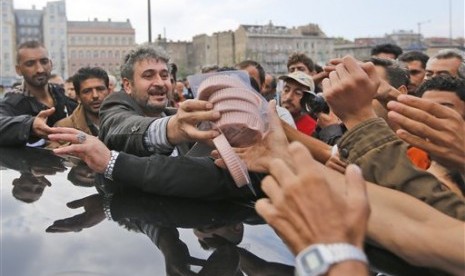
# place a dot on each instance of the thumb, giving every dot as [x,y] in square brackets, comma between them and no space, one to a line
[356,186]
[272,113]
[76,203]
[46,113]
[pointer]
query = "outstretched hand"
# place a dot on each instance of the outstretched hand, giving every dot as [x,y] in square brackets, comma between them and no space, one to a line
[302,207]
[92,151]
[434,128]
[274,144]
[182,127]
[354,83]
[93,214]
[39,125]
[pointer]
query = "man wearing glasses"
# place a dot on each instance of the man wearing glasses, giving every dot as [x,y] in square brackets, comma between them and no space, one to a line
[296,85]
[27,113]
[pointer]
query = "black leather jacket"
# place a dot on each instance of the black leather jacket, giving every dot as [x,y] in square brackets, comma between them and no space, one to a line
[17,112]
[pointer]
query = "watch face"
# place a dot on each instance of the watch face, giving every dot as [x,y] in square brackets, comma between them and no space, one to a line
[312,261]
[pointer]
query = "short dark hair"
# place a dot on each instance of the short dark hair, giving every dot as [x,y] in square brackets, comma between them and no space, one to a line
[274,82]
[301,57]
[70,79]
[261,72]
[85,73]
[30,44]
[396,74]
[414,56]
[140,53]
[386,48]
[443,83]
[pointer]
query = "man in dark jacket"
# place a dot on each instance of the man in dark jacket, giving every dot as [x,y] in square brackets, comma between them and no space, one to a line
[27,113]
[137,120]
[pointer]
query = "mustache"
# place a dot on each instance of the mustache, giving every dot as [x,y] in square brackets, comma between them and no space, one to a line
[158,90]
[41,75]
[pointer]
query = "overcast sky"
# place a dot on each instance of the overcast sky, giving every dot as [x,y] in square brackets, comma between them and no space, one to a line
[182,19]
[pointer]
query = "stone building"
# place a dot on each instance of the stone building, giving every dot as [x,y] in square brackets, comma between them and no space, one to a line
[8,40]
[268,44]
[54,32]
[98,43]
[271,45]
[28,25]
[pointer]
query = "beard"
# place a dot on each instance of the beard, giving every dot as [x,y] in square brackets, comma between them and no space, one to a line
[37,81]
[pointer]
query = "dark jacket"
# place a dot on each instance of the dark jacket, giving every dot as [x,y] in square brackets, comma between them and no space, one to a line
[123,125]
[18,110]
[181,176]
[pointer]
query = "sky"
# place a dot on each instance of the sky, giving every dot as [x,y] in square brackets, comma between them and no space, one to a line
[183,19]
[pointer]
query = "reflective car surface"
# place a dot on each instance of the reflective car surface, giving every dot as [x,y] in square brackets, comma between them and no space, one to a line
[53,223]
[56,220]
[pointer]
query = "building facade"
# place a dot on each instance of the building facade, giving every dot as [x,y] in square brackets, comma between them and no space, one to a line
[8,40]
[54,32]
[98,43]
[267,44]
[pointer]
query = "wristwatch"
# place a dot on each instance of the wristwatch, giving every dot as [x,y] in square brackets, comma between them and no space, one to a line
[316,259]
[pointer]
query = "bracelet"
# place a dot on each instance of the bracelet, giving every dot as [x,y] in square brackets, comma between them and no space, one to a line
[106,205]
[111,164]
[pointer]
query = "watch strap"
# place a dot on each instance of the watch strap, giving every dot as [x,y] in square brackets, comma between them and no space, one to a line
[316,259]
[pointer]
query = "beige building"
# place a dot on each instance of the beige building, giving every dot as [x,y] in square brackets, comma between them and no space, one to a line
[271,45]
[99,43]
[267,44]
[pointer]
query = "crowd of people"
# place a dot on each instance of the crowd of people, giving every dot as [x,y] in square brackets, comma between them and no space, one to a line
[356,152]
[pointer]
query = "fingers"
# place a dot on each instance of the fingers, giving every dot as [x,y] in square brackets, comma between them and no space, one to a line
[356,186]
[418,142]
[302,159]
[67,137]
[281,172]
[417,128]
[195,111]
[220,163]
[76,203]
[195,105]
[200,135]
[273,117]
[46,113]
[64,130]
[72,149]
[283,227]
[271,188]
[429,107]
[265,208]
[408,116]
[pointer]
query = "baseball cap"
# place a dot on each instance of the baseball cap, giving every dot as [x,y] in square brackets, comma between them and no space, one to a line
[301,78]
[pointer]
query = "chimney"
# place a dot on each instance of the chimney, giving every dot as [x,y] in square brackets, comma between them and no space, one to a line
[95,19]
[109,19]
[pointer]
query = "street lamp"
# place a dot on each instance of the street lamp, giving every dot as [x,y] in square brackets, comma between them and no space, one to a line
[150,21]
[419,30]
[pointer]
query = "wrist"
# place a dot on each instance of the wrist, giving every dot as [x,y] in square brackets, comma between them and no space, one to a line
[319,258]
[352,121]
[172,131]
[348,268]
[108,173]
